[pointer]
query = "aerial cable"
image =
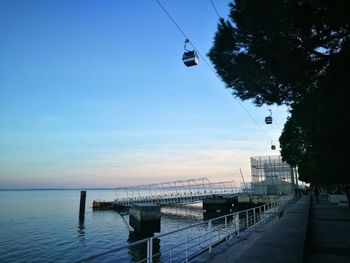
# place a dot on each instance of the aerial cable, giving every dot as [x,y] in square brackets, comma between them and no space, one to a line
[187,39]
[216,11]
[278,126]
[210,67]
[178,27]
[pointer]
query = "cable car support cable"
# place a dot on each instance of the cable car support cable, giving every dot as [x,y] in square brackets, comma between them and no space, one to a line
[210,67]
[216,11]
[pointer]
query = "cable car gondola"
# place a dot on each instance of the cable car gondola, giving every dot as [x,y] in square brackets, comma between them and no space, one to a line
[273,147]
[268,119]
[190,57]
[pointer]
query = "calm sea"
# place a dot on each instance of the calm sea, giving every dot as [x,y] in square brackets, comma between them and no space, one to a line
[43,226]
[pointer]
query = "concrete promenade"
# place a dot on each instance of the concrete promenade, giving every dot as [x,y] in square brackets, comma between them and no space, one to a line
[307,232]
[328,238]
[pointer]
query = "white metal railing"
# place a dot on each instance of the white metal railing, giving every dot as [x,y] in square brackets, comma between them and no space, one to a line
[184,244]
[181,191]
[167,200]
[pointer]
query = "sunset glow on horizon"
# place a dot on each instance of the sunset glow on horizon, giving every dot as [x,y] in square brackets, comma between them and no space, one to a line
[96,95]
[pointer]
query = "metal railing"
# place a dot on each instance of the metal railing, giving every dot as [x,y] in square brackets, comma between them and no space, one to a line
[184,244]
[167,193]
[166,200]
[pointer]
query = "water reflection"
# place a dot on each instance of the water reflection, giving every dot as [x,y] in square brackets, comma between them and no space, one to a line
[144,227]
[139,252]
[207,215]
[183,211]
[81,232]
[81,228]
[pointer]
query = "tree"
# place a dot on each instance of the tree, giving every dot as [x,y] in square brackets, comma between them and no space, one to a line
[294,141]
[296,53]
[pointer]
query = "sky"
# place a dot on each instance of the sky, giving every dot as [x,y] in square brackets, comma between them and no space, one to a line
[94,94]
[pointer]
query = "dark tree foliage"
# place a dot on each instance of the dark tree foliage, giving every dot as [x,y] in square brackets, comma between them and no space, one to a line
[296,53]
[277,51]
[294,142]
[324,118]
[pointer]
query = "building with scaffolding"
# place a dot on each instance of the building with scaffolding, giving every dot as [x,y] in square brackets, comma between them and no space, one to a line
[271,176]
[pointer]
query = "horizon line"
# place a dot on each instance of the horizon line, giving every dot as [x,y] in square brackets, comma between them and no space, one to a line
[41,189]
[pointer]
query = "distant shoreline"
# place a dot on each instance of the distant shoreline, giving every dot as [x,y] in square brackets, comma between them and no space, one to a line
[52,189]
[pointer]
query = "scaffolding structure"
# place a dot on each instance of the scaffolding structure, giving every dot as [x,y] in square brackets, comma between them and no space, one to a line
[270,175]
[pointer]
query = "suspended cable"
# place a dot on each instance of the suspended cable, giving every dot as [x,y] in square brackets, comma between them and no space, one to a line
[185,36]
[216,11]
[210,67]
[178,27]
[277,125]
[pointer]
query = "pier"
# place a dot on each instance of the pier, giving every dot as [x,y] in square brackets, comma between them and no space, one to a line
[285,228]
[295,229]
[145,218]
[176,192]
[189,242]
[144,201]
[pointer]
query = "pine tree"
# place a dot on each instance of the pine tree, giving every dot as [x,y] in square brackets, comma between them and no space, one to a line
[295,53]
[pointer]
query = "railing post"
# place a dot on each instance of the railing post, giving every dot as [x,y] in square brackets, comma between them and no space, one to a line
[209,230]
[247,218]
[147,251]
[150,250]
[186,245]
[254,216]
[226,237]
[237,223]
[260,216]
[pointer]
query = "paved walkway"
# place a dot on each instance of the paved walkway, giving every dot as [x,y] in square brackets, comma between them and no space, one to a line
[328,237]
[325,238]
[236,248]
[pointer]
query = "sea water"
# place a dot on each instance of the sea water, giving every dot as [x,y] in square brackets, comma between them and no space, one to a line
[43,226]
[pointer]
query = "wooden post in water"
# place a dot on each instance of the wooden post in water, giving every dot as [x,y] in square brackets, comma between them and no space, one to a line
[82,205]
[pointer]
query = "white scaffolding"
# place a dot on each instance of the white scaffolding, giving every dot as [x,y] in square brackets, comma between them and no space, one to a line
[270,175]
[181,191]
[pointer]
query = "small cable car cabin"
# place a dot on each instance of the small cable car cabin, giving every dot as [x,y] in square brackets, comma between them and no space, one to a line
[273,147]
[268,120]
[190,58]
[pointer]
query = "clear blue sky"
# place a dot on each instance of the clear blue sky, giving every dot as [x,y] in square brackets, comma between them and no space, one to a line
[94,94]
